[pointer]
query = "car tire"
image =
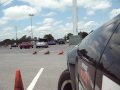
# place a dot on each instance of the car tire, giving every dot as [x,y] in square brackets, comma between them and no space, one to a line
[20,47]
[65,82]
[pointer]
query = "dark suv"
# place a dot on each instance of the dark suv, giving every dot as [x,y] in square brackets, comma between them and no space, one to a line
[94,64]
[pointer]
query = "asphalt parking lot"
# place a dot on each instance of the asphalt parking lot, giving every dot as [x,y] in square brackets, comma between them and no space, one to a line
[30,65]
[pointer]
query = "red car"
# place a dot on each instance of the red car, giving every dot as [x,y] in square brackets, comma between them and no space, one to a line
[26,45]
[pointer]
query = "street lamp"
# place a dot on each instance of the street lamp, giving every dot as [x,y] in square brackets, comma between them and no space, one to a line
[31,15]
[75,17]
[16,32]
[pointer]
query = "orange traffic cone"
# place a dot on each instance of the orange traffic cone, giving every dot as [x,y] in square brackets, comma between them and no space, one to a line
[18,81]
[47,52]
[35,52]
[61,53]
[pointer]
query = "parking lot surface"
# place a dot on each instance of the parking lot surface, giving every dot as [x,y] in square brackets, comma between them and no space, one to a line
[30,65]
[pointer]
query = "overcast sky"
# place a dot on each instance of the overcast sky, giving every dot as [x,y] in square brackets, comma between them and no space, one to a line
[53,16]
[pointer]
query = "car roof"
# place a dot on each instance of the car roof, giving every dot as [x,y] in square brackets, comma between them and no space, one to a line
[115,19]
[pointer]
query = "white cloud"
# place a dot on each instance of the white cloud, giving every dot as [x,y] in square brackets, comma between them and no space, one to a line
[92,5]
[28,28]
[19,12]
[51,26]
[87,26]
[49,14]
[52,4]
[90,23]
[68,28]
[95,4]
[3,20]
[58,23]
[114,12]
[61,30]
[90,12]
[7,32]
[48,21]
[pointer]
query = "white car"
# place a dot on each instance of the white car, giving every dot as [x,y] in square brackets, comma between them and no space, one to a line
[41,44]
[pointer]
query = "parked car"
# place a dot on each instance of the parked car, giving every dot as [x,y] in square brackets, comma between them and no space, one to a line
[26,45]
[51,42]
[41,44]
[94,64]
[67,41]
[61,41]
[14,45]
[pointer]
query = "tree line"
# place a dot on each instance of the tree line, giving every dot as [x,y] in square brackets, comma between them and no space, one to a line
[49,37]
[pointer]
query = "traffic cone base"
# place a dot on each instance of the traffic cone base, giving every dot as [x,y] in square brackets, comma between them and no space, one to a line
[61,53]
[18,81]
[35,52]
[47,52]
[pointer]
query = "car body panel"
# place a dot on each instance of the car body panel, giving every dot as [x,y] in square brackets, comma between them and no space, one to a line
[89,53]
[109,66]
[51,43]
[41,44]
[72,55]
[14,45]
[26,45]
[61,41]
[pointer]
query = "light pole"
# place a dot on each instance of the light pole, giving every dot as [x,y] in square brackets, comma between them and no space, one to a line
[75,17]
[31,15]
[16,32]
[16,35]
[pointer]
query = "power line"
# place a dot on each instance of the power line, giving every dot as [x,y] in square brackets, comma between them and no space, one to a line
[2,3]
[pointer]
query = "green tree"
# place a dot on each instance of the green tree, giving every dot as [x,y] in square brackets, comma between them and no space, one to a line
[83,34]
[65,37]
[68,35]
[7,42]
[23,39]
[49,37]
[28,38]
[35,39]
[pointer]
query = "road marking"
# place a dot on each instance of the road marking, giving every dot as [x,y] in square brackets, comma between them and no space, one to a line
[34,81]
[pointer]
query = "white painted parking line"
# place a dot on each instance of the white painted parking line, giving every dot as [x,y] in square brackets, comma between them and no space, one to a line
[34,81]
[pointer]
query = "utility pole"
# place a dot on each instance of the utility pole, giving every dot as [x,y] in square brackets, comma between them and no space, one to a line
[75,17]
[16,32]
[16,35]
[31,15]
